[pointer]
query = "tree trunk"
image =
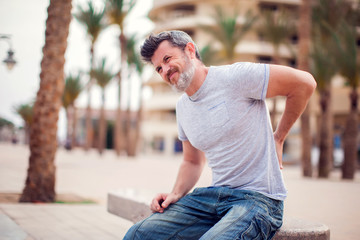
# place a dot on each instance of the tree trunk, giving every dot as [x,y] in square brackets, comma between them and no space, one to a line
[88,120]
[304,29]
[102,125]
[40,181]
[273,113]
[118,129]
[350,139]
[131,125]
[74,127]
[326,135]
[69,119]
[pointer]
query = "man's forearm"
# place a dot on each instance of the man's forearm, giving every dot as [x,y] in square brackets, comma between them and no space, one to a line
[188,175]
[296,103]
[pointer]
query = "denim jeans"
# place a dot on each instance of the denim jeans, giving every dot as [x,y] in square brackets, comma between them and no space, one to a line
[213,213]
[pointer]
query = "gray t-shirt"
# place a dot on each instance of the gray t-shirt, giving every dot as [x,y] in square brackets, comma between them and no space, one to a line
[227,119]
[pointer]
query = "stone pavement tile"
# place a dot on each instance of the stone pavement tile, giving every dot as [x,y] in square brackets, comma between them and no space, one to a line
[66,221]
[10,230]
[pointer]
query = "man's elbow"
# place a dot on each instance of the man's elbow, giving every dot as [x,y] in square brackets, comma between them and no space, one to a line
[309,85]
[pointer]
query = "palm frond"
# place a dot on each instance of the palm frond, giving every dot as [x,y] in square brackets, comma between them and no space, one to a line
[102,74]
[133,57]
[276,27]
[117,10]
[73,88]
[227,31]
[26,112]
[92,19]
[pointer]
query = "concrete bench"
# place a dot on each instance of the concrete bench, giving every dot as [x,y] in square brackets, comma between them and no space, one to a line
[134,210]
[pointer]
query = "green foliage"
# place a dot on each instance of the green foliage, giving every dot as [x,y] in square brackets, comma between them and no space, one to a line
[102,75]
[208,55]
[73,88]
[117,10]
[346,54]
[334,27]
[92,19]
[133,57]
[5,123]
[228,32]
[277,28]
[323,65]
[26,113]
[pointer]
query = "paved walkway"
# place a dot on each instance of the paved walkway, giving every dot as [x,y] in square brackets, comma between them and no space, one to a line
[332,201]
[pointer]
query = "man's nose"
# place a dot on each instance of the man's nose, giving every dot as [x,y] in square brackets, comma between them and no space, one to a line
[165,71]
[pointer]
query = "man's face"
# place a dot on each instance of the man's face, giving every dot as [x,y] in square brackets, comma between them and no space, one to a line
[174,66]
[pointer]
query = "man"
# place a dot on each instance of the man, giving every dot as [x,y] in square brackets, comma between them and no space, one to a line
[222,117]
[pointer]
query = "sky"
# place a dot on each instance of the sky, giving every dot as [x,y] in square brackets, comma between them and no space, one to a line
[25,22]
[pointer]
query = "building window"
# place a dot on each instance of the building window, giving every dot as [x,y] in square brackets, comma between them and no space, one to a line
[181,11]
[264,59]
[185,7]
[292,62]
[268,7]
[294,39]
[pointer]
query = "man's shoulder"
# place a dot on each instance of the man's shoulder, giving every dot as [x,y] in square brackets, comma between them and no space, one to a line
[182,98]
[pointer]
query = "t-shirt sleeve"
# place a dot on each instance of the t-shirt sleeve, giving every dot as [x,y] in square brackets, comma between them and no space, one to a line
[250,79]
[181,134]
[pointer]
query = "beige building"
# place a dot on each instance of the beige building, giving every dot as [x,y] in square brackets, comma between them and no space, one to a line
[159,125]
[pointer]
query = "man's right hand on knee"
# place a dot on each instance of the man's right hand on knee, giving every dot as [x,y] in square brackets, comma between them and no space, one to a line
[162,200]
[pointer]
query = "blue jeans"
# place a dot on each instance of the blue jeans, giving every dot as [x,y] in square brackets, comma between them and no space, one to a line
[213,213]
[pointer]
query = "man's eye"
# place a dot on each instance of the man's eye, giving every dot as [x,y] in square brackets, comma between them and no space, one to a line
[167,59]
[159,69]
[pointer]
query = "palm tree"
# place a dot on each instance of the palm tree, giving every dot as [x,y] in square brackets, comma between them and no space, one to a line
[208,55]
[72,89]
[323,69]
[102,76]
[133,125]
[304,31]
[40,181]
[276,28]
[94,23]
[228,32]
[337,20]
[26,113]
[117,10]
[349,68]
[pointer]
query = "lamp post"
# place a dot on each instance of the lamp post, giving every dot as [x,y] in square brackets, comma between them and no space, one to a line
[9,61]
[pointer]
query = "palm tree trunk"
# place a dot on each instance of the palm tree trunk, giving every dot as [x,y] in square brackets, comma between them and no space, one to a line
[102,125]
[88,120]
[326,135]
[273,113]
[350,139]
[118,129]
[73,133]
[69,119]
[304,29]
[139,116]
[40,181]
[131,125]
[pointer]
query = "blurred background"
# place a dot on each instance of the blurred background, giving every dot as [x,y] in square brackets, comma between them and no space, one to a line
[106,82]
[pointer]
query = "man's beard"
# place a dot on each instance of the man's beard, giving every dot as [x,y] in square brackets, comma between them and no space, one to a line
[185,77]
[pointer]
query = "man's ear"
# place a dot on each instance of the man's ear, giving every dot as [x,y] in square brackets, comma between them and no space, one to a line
[191,48]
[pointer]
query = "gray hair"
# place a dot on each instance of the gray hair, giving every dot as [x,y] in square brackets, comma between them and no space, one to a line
[177,39]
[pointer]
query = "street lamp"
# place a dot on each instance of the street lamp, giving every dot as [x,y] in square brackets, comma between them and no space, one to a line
[9,61]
